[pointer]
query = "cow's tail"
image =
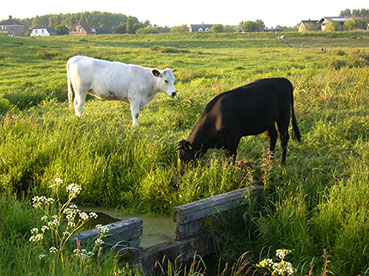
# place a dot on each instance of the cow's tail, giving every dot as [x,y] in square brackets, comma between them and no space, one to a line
[295,128]
[70,90]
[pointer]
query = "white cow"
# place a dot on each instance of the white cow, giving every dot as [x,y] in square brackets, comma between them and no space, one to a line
[108,80]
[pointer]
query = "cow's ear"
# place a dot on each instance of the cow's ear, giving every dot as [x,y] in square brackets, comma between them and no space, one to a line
[183,144]
[155,72]
[180,145]
[187,145]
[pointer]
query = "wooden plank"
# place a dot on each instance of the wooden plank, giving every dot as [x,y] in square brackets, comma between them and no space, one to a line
[208,206]
[176,251]
[124,233]
[190,217]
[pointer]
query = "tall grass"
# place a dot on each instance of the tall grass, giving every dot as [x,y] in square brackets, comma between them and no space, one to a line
[317,201]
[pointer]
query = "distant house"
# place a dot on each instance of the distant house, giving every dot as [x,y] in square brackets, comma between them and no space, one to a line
[340,20]
[82,28]
[12,27]
[200,27]
[42,31]
[309,25]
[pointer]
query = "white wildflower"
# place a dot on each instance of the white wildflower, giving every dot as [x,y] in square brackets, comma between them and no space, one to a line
[53,250]
[73,189]
[38,201]
[36,238]
[71,224]
[44,218]
[58,180]
[44,228]
[83,253]
[99,241]
[54,223]
[93,215]
[102,229]
[282,253]
[41,256]
[84,216]
[49,200]
[34,231]
[66,233]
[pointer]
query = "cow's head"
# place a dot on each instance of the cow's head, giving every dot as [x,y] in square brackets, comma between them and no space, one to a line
[186,154]
[165,80]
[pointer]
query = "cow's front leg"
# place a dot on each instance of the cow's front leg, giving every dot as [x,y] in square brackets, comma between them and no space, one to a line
[231,150]
[135,111]
[272,134]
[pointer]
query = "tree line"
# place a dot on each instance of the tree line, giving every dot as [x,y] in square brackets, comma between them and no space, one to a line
[120,23]
[355,13]
[62,23]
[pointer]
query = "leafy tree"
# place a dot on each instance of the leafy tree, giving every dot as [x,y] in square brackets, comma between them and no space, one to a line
[360,13]
[164,29]
[180,29]
[288,29]
[217,28]
[345,13]
[310,27]
[121,29]
[229,29]
[332,26]
[96,19]
[61,30]
[252,26]
[363,13]
[147,30]
[355,24]
[130,25]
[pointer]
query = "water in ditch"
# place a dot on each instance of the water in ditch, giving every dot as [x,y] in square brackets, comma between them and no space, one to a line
[156,229]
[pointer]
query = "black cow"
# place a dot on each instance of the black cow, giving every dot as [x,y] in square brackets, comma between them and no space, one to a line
[248,110]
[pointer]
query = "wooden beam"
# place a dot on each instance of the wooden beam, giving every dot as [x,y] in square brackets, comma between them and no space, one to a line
[190,217]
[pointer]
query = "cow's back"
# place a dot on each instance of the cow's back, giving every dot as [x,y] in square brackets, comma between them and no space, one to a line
[252,107]
[88,66]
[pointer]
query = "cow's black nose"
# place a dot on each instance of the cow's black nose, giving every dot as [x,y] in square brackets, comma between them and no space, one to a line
[174,93]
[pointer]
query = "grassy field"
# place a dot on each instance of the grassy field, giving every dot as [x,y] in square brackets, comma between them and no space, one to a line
[320,200]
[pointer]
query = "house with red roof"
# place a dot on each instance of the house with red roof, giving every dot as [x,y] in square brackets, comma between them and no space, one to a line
[82,28]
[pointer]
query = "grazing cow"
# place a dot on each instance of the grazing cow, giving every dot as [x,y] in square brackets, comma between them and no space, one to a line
[248,110]
[108,80]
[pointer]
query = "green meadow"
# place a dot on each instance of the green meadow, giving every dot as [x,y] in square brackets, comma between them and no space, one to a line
[319,200]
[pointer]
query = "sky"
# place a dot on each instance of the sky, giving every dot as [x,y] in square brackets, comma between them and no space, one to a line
[172,13]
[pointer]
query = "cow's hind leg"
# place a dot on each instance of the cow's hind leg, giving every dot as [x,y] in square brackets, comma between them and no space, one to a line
[283,135]
[272,135]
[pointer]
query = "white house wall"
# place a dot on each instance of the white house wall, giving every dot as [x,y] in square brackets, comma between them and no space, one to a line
[39,32]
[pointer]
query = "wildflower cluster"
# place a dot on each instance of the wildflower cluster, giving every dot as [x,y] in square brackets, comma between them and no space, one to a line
[280,268]
[102,229]
[40,201]
[63,225]
[73,189]
[83,253]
